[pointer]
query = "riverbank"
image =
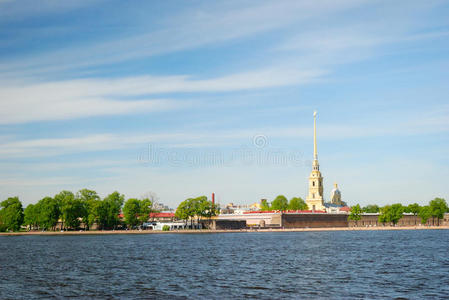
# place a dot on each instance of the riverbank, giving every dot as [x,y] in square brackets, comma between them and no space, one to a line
[207,231]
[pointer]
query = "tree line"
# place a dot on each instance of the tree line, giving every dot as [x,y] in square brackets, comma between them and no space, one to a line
[393,213]
[282,204]
[71,211]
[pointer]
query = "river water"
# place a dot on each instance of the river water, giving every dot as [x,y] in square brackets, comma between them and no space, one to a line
[411,264]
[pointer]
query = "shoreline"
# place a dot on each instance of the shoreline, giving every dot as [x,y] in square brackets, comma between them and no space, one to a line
[209,231]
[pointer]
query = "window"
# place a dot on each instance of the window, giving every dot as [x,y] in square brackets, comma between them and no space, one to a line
[313,183]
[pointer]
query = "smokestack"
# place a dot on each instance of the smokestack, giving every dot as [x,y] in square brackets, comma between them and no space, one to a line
[213,198]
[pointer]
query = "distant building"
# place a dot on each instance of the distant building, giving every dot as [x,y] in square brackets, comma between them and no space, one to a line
[161,207]
[232,208]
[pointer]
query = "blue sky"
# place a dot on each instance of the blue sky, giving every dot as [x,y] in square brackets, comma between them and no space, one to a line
[188,98]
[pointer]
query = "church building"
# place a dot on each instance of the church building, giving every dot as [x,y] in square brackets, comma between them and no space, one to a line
[314,199]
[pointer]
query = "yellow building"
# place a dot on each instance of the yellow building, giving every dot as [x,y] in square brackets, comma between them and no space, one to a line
[255,206]
[314,199]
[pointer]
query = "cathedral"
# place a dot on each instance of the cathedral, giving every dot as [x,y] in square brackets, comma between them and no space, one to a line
[314,199]
[336,196]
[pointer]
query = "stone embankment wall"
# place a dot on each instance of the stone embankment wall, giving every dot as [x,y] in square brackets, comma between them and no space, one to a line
[314,220]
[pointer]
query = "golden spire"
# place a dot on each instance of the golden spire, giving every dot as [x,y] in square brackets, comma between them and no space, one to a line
[315,154]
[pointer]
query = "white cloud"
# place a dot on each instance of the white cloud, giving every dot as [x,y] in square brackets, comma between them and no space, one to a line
[72,99]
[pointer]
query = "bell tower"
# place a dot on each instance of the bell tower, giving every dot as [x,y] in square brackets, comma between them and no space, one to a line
[314,199]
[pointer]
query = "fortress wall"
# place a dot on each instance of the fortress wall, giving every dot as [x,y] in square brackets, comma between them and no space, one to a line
[406,220]
[223,224]
[310,220]
[276,220]
[228,224]
[314,220]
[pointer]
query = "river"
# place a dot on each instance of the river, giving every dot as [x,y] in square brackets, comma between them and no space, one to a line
[412,264]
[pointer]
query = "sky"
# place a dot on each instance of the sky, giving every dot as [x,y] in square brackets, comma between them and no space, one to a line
[187,98]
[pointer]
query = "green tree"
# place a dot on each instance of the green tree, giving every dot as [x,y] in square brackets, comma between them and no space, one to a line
[48,213]
[413,208]
[425,213]
[191,208]
[372,208]
[391,213]
[72,209]
[11,214]
[198,207]
[279,203]
[146,207]
[2,225]
[438,207]
[111,206]
[89,199]
[264,205]
[199,204]
[61,198]
[207,209]
[397,212]
[136,211]
[297,203]
[95,211]
[31,216]
[356,213]
[87,195]
[131,212]
[184,211]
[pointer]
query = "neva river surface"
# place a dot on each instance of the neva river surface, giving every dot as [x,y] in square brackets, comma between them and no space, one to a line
[335,265]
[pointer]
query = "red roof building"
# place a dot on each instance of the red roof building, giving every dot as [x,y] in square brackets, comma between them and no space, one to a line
[345,209]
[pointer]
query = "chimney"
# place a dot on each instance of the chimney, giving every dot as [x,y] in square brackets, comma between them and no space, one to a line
[213,198]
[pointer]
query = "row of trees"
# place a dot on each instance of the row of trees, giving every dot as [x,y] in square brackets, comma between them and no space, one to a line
[73,210]
[198,208]
[393,213]
[282,204]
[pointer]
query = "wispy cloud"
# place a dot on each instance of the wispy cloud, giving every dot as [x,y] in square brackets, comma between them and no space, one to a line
[47,181]
[433,122]
[262,55]
[336,46]
[197,27]
[12,10]
[72,99]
